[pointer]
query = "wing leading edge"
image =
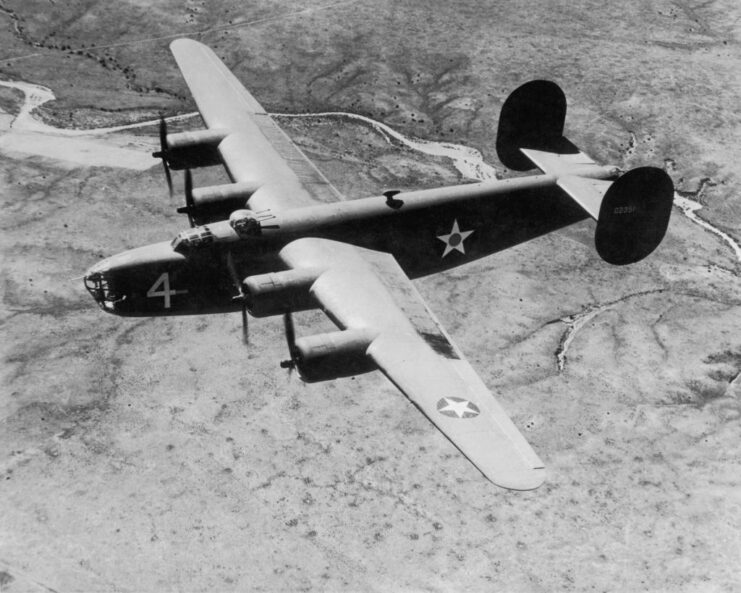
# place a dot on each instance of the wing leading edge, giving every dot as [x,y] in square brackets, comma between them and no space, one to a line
[366,290]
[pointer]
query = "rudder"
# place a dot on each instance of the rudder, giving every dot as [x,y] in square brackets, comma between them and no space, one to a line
[634,215]
[532,117]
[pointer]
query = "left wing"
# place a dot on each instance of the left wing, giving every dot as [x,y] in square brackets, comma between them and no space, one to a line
[255,151]
[366,290]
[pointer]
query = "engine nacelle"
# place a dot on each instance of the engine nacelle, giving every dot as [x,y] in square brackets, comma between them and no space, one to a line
[217,202]
[329,356]
[190,150]
[280,292]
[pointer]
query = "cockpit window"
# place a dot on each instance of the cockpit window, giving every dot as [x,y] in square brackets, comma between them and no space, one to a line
[190,239]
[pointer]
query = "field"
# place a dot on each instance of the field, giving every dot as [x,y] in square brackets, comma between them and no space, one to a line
[151,455]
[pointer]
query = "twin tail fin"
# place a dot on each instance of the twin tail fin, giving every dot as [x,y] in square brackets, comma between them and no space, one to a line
[632,209]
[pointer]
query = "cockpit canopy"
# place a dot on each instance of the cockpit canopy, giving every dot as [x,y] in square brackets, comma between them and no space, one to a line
[190,239]
[242,224]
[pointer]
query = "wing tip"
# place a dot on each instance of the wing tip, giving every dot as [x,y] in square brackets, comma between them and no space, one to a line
[184,43]
[523,480]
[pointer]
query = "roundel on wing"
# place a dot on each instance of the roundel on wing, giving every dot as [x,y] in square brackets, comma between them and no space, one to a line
[457,407]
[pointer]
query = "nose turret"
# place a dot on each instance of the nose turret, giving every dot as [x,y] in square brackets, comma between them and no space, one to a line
[127,283]
[160,280]
[97,282]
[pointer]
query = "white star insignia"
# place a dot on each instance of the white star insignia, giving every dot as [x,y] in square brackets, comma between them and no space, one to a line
[454,239]
[456,407]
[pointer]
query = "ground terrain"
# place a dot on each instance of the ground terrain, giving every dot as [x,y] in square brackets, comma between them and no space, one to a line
[163,455]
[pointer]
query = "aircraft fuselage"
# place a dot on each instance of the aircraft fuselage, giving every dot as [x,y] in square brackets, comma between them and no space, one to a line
[427,231]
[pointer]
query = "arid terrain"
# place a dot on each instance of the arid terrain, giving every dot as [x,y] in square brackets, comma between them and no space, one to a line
[163,455]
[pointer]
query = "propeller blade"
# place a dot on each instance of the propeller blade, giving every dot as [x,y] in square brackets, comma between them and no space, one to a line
[245,327]
[189,201]
[290,364]
[238,284]
[163,134]
[162,153]
[290,333]
[168,176]
[233,272]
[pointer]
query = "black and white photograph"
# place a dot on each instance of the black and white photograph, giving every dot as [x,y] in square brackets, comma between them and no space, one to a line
[370,296]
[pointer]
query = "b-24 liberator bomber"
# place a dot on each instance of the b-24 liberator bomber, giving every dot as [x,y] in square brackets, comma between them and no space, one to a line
[280,238]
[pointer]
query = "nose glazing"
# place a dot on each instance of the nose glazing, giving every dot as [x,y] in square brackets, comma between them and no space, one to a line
[97,283]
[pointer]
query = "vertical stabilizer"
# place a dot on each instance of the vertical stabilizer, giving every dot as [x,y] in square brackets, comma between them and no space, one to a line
[632,210]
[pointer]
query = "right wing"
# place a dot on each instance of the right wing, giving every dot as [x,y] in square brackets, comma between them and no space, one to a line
[360,289]
[255,150]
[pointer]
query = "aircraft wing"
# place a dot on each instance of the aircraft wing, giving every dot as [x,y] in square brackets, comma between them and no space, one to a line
[255,150]
[368,290]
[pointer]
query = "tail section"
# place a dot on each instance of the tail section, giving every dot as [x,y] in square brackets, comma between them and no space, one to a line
[634,215]
[532,117]
[632,210]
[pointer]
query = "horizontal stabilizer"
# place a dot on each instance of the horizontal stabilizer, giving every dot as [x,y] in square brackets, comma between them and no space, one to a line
[588,193]
[578,175]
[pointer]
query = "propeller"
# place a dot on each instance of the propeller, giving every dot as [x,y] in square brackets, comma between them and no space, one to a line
[241,296]
[162,153]
[290,364]
[190,203]
[245,328]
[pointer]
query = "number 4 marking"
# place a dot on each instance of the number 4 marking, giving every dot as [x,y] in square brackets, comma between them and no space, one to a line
[164,282]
